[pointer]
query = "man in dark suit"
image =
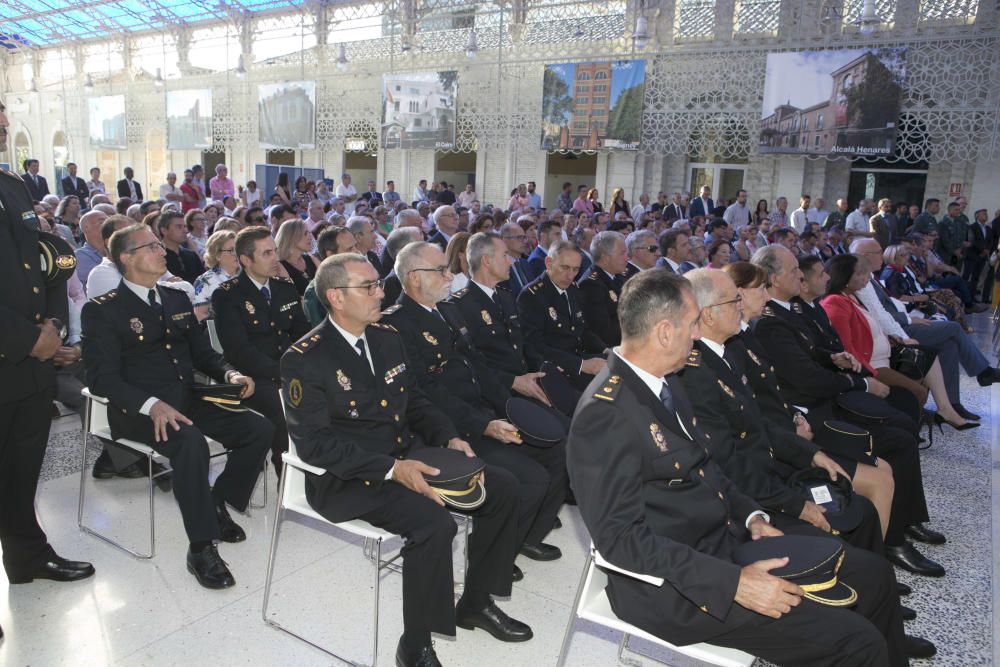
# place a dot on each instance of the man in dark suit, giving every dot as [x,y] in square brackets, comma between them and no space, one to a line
[514,237]
[549,231]
[600,289]
[438,345]
[977,254]
[674,250]
[643,252]
[181,262]
[127,187]
[364,235]
[33,313]
[75,186]
[656,504]
[446,224]
[811,375]
[141,346]
[553,324]
[676,210]
[354,409]
[703,204]
[37,185]
[258,315]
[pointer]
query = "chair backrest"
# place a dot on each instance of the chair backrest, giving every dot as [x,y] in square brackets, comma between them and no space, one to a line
[593,586]
[213,335]
[98,406]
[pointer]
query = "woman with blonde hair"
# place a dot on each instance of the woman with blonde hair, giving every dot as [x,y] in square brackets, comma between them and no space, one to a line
[295,245]
[220,258]
[618,203]
[458,265]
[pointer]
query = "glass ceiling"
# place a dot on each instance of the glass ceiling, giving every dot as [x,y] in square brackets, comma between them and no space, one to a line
[45,23]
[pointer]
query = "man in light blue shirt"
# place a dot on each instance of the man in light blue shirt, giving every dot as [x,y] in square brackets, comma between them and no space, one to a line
[92,251]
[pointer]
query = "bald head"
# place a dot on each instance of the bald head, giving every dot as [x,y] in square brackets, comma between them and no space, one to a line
[91,223]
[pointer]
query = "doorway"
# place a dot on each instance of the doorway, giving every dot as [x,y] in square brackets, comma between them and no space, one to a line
[575,168]
[724,179]
[455,169]
[362,167]
[895,184]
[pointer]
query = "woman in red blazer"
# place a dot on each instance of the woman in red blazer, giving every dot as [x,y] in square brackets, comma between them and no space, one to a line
[863,337]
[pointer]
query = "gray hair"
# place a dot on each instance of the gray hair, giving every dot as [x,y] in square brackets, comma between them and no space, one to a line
[526,218]
[509,226]
[858,242]
[604,244]
[559,246]
[220,167]
[769,259]
[132,211]
[480,245]
[438,212]
[287,233]
[332,273]
[704,286]
[639,238]
[121,243]
[51,200]
[407,259]
[357,222]
[400,238]
[105,208]
[171,173]
[407,213]
[650,297]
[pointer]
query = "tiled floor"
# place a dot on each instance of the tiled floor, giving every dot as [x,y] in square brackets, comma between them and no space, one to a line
[152,612]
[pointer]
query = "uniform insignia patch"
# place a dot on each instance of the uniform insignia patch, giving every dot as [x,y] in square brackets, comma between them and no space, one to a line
[136,325]
[658,438]
[429,338]
[295,392]
[613,296]
[250,308]
[753,356]
[768,311]
[391,374]
[179,316]
[552,314]
[486,317]
[614,379]
[725,388]
[343,380]
[287,306]
[65,262]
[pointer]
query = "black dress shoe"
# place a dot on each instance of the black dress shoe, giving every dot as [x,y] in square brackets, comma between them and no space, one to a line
[541,551]
[209,569]
[903,589]
[911,560]
[915,647]
[964,413]
[425,657]
[517,575]
[908,614]
[56,568]
[230,531]
[494,621]
[922,533]
[989,376]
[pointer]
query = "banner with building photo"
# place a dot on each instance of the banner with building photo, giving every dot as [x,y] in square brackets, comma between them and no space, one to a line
[189,119]
[418,110]
[287,114]
[588,106]
[832,102]
[106,121]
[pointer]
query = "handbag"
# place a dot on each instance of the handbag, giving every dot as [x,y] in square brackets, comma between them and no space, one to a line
[911,360]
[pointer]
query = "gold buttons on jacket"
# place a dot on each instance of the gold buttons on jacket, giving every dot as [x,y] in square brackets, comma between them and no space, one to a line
[383,403]
[36,290]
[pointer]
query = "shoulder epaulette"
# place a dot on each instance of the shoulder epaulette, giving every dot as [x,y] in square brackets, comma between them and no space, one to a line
[107,296]
[385,327]
[534,287]
[392,309]
[11,174]
[307,343]
[460,293]
[592,276]
[768,311]
[694,359]
[283,279]
[609,391]
[228,285]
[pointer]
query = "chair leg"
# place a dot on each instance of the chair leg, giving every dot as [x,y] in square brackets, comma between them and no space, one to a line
[152,507]
[279,515]
[83,462]
[378,559]
[573,612]
[622,648]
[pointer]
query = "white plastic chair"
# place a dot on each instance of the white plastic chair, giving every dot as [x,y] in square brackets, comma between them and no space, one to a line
[292,499]
[213,335]
[592,605]
[95,422]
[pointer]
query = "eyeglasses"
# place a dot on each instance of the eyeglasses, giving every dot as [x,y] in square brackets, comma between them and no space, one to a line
[440,269]
[738,299]
[372,287]
[153,244]
[650,248]
[255,218]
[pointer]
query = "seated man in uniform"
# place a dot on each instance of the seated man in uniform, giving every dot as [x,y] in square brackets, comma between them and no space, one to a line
[601,287]
[257,316]
[354,409]
[656,504]
[141,346]
[553,324]
[438,345]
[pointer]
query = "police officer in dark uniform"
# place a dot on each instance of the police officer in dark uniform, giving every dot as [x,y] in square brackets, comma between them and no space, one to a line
[141,346]
[601,287]
[32,311]
[553,323]
[438,345]
[258,315]
[354,409]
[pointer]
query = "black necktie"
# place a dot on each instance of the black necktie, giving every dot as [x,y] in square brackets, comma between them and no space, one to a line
[360,345]
[154,303]
[266,292]
[496,300]
[667,399]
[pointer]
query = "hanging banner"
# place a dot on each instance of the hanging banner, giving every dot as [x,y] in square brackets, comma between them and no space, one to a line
[287,114]
[832,102]
[588,106]
[418,110]
[106,121]
[189,119]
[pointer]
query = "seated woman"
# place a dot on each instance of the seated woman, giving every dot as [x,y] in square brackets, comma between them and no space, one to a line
[458,264]
[940,281]
[718,254]
[295,245]
[874,482]
[901,282]
[746,244]
[220,258]
[862,336]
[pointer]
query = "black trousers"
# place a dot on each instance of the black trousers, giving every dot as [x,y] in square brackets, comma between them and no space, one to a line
[266,400]
[24,435]
[428,529]
[541,476]
[247,435]
[70,381]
